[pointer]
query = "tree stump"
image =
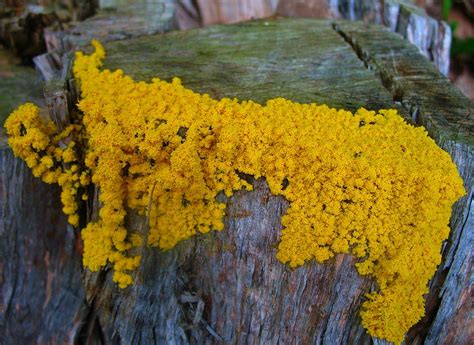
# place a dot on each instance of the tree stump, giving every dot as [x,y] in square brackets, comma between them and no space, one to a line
[227,287]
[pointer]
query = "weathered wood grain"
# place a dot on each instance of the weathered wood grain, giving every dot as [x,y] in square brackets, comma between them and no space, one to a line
[42,299]
[443,109]
[248,297]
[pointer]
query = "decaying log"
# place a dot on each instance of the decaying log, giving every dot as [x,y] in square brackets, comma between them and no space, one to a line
[114,21]
[24,34]
[227,287]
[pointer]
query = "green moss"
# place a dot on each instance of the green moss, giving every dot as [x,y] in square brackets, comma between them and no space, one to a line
[18,84]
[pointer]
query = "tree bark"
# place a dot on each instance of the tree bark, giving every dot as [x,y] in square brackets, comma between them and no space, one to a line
[227,287]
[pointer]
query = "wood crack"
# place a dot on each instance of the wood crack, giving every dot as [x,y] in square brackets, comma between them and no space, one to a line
[386,78]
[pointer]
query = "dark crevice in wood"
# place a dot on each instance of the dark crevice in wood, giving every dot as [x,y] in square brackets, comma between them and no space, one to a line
[91,330]
[387,79]
[452,246]
[250,179]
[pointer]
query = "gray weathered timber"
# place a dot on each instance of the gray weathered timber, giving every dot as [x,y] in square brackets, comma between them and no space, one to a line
[43,301]
[227,287]
[432,37]
[443,109]
[124,19]
[43,298]
[247,296]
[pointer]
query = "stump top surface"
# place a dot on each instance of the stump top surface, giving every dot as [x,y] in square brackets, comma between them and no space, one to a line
[343,64]
[302,60]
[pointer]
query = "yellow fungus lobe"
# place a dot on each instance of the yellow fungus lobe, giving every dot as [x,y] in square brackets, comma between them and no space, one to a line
[39,143]
[366,183]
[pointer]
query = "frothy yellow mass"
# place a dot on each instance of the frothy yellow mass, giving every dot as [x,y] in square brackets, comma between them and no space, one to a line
[366,183]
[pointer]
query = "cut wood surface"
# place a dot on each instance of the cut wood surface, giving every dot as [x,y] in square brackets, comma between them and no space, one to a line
[432,37]
[227,287]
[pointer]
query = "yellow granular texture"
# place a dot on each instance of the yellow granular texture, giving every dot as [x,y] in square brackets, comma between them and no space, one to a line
[46,152]
[367,183]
